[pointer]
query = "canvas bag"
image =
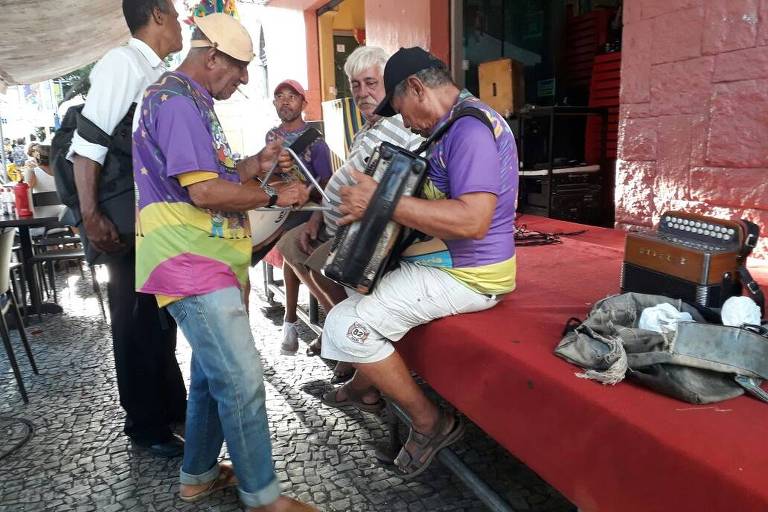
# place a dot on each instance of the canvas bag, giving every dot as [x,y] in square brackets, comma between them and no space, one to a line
[700,363]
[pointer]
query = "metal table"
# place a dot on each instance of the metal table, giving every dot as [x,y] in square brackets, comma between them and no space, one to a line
[44,216]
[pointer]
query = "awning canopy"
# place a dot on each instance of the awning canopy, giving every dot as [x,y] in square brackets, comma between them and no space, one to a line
[42,39]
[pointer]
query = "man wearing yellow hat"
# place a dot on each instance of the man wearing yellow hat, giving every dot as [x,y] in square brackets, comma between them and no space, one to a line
[193,251]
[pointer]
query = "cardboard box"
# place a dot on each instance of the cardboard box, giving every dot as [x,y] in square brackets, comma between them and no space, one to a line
[502,85]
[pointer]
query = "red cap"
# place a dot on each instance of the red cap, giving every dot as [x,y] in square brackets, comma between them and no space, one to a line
[293,84]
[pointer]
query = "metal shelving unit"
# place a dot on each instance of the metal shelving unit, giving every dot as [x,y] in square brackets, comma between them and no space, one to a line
[552,113]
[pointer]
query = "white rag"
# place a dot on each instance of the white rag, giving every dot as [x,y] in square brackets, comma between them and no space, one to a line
[738,311]
[662,318]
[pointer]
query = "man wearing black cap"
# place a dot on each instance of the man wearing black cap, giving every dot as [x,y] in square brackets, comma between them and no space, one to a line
[468,216]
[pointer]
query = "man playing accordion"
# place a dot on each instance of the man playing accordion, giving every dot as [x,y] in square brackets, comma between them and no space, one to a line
[468,212]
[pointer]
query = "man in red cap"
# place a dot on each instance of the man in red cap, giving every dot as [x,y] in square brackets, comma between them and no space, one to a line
[290,101]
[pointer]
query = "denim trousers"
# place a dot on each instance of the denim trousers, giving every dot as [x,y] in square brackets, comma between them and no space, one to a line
[226,396]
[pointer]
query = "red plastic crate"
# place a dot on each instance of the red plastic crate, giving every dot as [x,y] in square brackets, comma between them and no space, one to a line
[604,92]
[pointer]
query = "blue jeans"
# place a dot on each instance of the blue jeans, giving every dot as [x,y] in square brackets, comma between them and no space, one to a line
[226,396]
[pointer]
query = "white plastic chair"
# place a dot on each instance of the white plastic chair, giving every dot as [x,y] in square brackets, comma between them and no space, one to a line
[8,302]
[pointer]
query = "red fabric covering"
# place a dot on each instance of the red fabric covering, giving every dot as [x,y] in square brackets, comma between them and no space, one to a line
[274,258]
[615,449]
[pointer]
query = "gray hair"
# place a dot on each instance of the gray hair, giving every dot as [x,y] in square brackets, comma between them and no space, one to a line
[363,58]
[430,77]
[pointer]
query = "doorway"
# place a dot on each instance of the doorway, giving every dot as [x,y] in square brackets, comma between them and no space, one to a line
[343,46]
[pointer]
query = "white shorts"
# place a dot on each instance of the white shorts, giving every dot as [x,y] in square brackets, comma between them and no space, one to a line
[361,329]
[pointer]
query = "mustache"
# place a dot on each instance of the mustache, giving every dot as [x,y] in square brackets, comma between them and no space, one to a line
[367,100]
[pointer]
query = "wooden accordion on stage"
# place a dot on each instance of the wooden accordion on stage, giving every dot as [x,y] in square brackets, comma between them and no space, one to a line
[689,257]
[361,251]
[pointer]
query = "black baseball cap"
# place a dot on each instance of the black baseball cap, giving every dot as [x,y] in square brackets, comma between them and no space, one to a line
[404,63]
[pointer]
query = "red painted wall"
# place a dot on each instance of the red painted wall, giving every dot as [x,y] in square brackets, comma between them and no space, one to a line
[395,23]
[693,131]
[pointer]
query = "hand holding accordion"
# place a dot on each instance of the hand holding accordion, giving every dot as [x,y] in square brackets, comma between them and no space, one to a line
[362,251]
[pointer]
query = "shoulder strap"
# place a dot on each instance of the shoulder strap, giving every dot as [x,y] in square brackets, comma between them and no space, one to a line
[753,232]
[463,112]
[478,114]
[89,131]
[753,288]
[95,135]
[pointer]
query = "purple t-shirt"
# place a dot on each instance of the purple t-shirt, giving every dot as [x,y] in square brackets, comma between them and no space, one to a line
[185,140]
[470,158]
[317,157]
[181,249]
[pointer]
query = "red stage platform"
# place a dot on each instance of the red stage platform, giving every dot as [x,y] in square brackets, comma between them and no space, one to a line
[607,449]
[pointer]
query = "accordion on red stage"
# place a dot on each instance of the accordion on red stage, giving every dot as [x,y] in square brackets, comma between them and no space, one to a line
[361,252]
[690,257]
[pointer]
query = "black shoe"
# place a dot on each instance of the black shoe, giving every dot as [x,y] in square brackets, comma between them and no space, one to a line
[173,447]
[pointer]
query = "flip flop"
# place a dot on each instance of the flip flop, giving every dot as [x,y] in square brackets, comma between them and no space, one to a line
[330,399]
[411,463]
[225,479]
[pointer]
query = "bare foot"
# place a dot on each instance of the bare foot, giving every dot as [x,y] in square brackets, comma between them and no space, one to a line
[314,348]
[370,397]
[342,372]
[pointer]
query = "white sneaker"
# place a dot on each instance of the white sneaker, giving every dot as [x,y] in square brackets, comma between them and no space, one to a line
[290,344]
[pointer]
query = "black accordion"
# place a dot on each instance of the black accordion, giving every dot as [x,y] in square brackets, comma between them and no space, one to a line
[362,251]
[691,257]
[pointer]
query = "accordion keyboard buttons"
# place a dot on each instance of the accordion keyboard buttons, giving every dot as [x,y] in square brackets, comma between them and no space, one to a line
[699,234]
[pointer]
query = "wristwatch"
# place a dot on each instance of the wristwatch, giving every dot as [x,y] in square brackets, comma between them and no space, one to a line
[272,193]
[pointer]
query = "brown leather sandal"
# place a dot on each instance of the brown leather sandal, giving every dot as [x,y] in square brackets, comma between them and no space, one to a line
[225,479]
[420,449]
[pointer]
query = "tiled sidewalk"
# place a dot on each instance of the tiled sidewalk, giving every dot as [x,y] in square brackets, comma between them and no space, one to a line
[79,460]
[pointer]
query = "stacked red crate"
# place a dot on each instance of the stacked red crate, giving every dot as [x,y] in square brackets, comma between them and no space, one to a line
[604,92]
[585,36]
